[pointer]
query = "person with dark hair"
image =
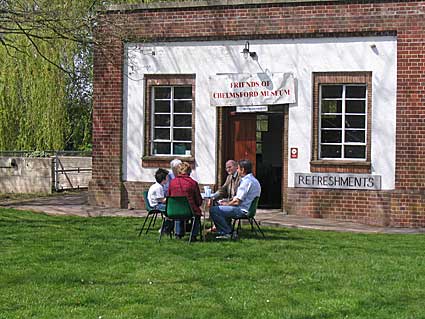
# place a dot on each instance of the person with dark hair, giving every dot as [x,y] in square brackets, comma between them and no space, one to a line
[184,185]
[248,189]
[156,196]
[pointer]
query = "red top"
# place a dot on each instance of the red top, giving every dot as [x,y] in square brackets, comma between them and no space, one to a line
[184,185]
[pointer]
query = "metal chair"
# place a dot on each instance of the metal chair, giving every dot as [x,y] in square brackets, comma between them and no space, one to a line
[178,208]
[250,216]
[152,214]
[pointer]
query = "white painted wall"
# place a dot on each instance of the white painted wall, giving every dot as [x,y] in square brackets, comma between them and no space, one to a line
[302,57]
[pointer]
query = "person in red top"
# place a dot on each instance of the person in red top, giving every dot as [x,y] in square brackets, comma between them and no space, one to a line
[184,185]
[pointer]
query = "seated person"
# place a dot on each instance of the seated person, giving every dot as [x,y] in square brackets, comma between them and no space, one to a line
[156,195]
[230,186]
[184,185]
[248,189]
[172,174]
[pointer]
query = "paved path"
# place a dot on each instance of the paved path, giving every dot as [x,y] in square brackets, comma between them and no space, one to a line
[77,204]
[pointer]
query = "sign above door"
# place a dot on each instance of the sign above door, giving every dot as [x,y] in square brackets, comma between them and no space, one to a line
[243,89]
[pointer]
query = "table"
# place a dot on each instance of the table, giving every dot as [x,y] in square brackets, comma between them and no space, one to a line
[204,209]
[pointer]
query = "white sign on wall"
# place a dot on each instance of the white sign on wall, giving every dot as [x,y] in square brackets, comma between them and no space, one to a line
[253,108]
[252,89]
[338,181]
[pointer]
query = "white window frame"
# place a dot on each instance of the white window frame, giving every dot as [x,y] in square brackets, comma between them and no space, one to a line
[343,114]
[171,126]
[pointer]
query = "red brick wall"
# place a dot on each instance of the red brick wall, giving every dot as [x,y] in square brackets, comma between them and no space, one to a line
[106,187]
[406,19]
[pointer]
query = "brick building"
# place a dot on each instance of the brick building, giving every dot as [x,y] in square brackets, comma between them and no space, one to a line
[325,97]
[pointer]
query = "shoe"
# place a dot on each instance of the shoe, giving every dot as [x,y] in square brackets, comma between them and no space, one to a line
[193,239]
[224,236]
[212,230]
[178,237]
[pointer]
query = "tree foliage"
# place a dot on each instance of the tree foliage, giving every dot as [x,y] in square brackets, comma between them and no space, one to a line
[46,67]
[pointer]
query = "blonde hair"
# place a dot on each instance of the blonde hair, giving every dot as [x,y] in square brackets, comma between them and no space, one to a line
[184,169]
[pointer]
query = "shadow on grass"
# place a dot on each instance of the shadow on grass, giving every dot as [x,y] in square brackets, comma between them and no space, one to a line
[270,234]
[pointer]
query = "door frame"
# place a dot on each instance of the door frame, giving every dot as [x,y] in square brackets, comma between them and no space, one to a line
[224,148]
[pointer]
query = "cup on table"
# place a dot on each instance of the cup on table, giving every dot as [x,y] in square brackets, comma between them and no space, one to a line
[207,191]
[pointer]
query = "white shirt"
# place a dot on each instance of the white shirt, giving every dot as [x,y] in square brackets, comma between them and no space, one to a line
[248,189]
[156,191]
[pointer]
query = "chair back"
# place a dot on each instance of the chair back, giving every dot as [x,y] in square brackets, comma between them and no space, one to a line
[253,208]
[147,204]
[178,207]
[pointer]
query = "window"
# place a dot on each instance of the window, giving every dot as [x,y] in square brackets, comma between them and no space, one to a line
[262,126]
[169,119]
[342,122]
[172,120]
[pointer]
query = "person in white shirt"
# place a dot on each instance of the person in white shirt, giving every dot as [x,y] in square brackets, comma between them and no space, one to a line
[157,198]
[156,194]
[248,189]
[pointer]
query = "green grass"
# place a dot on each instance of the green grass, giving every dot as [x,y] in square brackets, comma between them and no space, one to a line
[71,267]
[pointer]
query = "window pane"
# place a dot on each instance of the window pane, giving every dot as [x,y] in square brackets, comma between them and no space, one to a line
[262,125]
[258,136]
[162,120]
[355,106]
[182,148]
[331,91]
[330,151]
[334,136]
[162,148]
[355,121]
[183,92]
[355,136]
[183,107]
[351,151]
[161,134]
[183,120]
[162,92]
[355,91]
[259,148]
[162,107]
[331,121]
[331,106]
[182,134]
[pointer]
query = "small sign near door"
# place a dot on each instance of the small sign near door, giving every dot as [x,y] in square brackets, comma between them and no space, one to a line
[255,108]
[294,152]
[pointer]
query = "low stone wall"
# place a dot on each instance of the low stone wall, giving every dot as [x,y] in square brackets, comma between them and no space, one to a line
[43,175]
[26,175]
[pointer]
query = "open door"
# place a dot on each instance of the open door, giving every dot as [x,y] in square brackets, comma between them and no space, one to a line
[258,137]
[243,128]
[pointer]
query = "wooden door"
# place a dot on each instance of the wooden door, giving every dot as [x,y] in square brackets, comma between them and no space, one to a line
[243,137]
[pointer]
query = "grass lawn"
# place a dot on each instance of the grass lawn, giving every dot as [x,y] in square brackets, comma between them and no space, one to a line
[71,267]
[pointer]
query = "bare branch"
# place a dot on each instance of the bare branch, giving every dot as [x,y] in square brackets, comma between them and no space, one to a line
[41,53]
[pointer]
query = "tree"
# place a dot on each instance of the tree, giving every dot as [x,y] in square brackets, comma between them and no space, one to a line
[46,50]
[45,79]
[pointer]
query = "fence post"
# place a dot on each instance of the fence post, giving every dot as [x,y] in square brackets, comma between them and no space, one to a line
[56,172]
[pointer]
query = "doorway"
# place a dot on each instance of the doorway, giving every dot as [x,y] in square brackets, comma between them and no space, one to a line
[258,137]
